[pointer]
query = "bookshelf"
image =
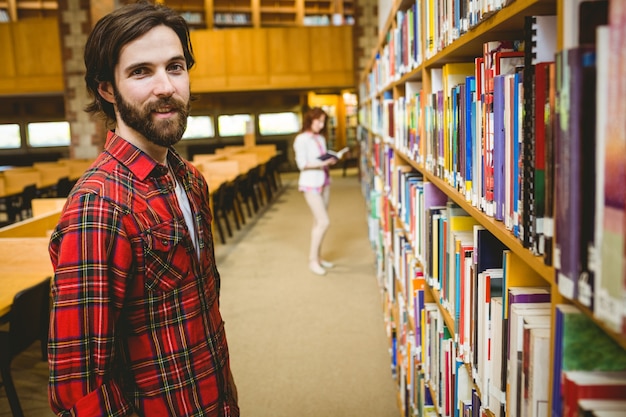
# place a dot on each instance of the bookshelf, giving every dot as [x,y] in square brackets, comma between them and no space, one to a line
[458,236]
[278,13]
[231,13]
[219,14]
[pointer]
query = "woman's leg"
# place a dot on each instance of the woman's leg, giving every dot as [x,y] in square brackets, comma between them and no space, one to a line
[326,198]
[320,225]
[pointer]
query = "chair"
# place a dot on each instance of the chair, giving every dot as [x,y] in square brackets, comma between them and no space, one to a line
[230,204]
[63,187]
[217,197]
[28,322]
[251,191]
[266,181]
[274,172]
[225,203]
[20,205]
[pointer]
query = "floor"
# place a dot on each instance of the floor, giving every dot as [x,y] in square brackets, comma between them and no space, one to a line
[301,344]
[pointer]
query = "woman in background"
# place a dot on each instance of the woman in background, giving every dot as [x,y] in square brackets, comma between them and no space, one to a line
[314,181]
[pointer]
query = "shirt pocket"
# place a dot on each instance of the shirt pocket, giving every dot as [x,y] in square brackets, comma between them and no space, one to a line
[166,257]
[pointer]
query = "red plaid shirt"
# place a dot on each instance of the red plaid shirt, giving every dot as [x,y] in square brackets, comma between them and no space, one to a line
[135,321]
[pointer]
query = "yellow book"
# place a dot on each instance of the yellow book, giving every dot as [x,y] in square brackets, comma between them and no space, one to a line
[453,74]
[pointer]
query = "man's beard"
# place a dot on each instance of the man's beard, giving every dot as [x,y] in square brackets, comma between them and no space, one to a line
[160,132]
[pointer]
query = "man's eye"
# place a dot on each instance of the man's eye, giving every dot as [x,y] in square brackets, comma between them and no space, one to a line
[138,71]
[177,67]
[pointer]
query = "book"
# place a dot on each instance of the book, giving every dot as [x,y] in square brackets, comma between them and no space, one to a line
[459,228]
[462,388]
[541,93]
[535,371]
[549,128]
[578,21]
[498,153]
[579,385]
[516,202]
[500,57]
[525,299]
[610,200]
[580,345]
[521,315]
[488,254]
[569,260]
[588,407]
[540,38]
[489,286]
[453,74]
[497,397]
[334,154]
[469,129]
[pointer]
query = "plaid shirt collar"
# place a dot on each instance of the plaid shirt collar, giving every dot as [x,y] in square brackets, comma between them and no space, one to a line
[137,161]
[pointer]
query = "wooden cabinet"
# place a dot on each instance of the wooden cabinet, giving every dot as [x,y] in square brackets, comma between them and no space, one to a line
[209,72]
[226,60]
[283,46]
[272,59]
[246,57]
[31,55]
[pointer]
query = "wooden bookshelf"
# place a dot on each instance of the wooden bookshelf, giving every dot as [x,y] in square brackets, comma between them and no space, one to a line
[223,14]
[383,95]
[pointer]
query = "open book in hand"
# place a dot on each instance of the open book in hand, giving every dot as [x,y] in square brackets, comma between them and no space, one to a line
[334,154]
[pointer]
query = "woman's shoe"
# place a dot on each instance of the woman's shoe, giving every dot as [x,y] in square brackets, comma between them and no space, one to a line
[317,269]
[327,264]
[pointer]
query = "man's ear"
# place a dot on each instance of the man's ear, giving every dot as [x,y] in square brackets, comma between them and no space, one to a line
[105,88]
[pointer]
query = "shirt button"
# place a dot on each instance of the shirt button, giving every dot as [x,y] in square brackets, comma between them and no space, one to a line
[164,242]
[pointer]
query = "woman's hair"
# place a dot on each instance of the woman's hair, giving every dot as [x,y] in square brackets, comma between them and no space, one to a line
[313,114]
[113,31]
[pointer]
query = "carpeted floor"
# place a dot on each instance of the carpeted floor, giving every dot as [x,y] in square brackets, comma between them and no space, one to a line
[301,345]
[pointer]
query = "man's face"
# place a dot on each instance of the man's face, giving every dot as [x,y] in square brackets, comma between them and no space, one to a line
[152,88]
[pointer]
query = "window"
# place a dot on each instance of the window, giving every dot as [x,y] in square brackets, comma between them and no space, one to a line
[278,123]
[10,136]
[199,127]
[234,124]
[46,134]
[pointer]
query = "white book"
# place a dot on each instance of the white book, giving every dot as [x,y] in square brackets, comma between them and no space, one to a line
[536,372]
[538,313]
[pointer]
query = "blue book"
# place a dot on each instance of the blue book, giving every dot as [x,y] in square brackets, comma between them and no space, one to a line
[517,146]
[469,128]
[498,146]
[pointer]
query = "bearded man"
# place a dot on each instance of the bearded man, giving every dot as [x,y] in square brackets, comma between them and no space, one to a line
[135,325]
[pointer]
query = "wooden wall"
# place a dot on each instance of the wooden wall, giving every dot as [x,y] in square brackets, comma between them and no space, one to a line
[227,60]
[30,53]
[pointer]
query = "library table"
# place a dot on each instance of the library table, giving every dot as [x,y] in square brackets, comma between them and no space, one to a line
[43,206]
[37,226]
[23,262]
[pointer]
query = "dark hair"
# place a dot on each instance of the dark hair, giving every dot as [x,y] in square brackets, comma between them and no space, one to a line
[118,28]
[313,114]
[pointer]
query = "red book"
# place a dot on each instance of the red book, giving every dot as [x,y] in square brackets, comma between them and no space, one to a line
[578,385]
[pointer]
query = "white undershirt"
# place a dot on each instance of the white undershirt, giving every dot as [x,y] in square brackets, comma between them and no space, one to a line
[185,207]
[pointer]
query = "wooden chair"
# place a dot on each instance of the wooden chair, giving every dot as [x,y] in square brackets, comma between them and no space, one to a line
[226,206]
[216,196]
[27,323]
[20,207]
[63,187]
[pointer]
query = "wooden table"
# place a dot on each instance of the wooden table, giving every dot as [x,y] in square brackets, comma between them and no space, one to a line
[23,263]
[38,226]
